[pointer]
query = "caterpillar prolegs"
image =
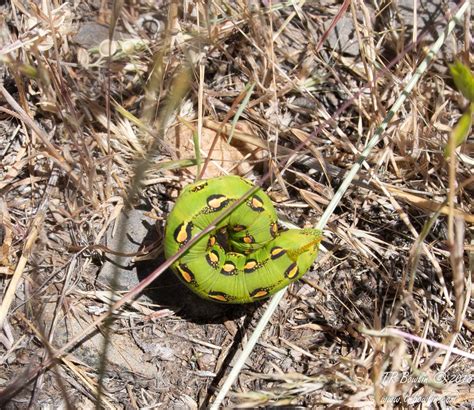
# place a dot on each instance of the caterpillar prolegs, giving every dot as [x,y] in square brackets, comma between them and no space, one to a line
[246,258]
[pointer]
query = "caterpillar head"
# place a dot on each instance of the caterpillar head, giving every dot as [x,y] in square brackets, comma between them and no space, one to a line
[303,246]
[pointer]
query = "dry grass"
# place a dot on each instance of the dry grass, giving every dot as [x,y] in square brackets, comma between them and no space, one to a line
[291,92]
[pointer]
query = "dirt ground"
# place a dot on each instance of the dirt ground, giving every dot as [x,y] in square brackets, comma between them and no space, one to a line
[97,139]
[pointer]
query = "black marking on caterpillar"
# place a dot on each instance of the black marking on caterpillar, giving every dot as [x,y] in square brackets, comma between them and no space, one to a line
[220,296]
[212,241]
[251,266]
[217,202]
[212,258]
[259,293]
[186,274]
[199,187]
[292,271]
[182,234]
[248,239]
[274,229]
[239,228]
[276,252]
[256,204]
[229,268]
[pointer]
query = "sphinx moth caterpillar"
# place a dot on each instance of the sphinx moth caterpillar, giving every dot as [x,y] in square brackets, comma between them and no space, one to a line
[247,258]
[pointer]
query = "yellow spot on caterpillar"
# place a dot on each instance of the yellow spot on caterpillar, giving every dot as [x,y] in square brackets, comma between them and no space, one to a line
[292,271]
[276,252]
[219,296]
[212,258]
[182,233]
[250,266]
[185,273]
[259,293]
[217,202]
[238,228]
[212,241]
[228,268]
[274,229]
[182,236]
[256,204]
[248,239]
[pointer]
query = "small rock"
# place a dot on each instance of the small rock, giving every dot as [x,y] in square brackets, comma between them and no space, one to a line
[342,37]
[136,226]
[91,34]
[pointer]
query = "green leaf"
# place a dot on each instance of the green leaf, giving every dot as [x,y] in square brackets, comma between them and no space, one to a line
[463,79]
[460,131]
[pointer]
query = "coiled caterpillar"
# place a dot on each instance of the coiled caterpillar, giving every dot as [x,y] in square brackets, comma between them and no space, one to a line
[247,258]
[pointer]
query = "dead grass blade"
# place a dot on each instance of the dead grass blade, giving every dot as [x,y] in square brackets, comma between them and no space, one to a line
[336,199]
[50,148]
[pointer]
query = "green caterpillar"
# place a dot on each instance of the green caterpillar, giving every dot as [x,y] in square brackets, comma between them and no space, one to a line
[246,258]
